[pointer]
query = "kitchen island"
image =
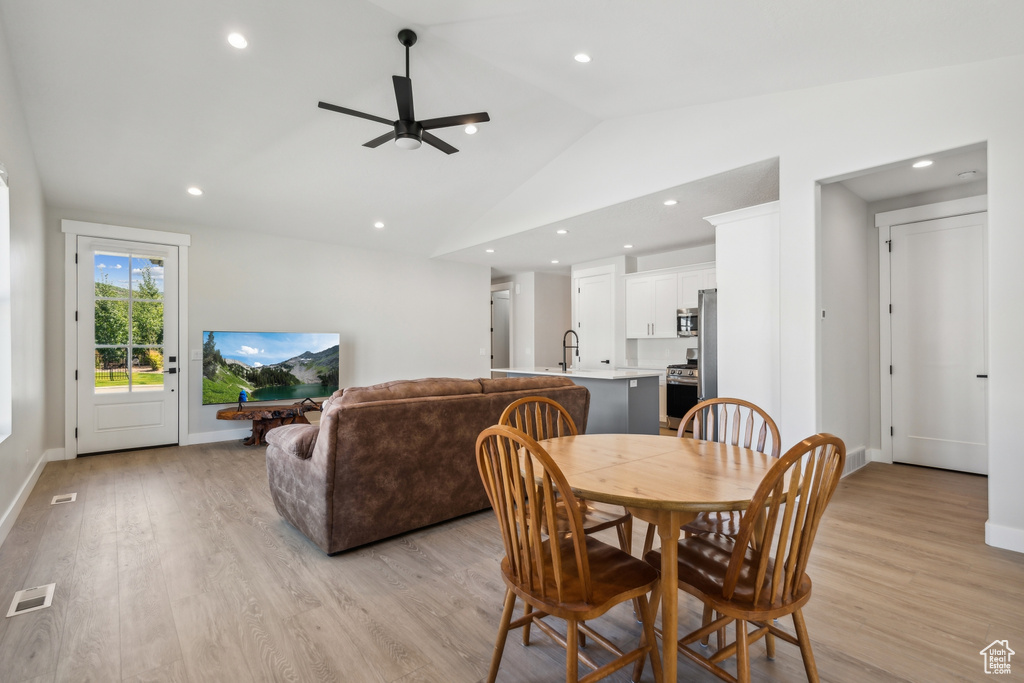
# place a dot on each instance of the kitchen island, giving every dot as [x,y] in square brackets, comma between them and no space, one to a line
[621,401]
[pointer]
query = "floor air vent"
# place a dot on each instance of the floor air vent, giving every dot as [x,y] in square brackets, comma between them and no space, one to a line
[64,498]
[31,599]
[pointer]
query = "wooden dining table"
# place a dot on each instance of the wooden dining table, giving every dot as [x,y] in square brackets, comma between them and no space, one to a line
[663,480]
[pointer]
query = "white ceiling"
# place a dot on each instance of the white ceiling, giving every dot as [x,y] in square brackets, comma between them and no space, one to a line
[128,103]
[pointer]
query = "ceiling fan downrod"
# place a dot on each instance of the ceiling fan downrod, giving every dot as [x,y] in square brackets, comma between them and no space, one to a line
[407,37]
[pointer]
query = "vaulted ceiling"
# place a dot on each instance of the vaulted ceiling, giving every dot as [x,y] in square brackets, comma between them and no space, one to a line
[129,103]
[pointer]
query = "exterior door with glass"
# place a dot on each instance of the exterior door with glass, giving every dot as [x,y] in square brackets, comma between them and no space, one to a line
[127,345]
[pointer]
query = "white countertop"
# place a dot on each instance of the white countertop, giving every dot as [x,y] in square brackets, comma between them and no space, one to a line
[583,374]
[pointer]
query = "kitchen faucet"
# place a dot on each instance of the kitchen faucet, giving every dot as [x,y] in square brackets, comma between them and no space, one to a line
[566,346]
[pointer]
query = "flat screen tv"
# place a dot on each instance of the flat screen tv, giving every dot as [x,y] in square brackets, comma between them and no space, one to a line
[268,366]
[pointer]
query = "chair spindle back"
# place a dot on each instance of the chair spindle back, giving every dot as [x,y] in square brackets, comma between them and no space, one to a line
[790,500]
[732,421]
[524,485]
[538,417]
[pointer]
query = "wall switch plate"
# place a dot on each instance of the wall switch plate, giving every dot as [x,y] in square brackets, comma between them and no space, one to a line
[196,354]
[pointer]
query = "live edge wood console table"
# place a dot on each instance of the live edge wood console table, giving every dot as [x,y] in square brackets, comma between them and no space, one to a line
[265,418]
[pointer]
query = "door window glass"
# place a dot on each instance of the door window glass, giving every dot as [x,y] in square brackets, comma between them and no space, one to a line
[129,322]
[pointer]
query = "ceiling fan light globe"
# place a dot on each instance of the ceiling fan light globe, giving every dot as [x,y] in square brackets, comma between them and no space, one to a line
[408,142]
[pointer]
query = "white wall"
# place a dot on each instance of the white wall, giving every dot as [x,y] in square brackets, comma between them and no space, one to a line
[400,317]
[553,316]
[677,257]
[747,275]
[23,454]
[523,320]
[847,246]
[819,133]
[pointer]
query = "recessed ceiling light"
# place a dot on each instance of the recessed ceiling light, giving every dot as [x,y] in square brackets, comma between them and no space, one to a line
[627,246]
[561,232]
[489,251]
[237,40]
[471,129]
[923,163]
[195,191]
[670,202]
[582,58]
[555,261]
[378,225]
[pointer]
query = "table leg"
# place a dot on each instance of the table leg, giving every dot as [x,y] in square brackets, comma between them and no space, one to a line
[668,529]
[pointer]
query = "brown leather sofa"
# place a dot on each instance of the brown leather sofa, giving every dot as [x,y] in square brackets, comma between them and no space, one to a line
[394,457]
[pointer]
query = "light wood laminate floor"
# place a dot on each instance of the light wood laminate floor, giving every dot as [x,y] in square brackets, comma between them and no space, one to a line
[174,566]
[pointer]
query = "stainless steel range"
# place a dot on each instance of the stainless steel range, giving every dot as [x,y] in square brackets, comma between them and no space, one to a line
[680,391]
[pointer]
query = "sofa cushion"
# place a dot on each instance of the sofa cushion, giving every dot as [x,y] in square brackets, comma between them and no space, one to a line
[493,386]
[412,388]
[297,440]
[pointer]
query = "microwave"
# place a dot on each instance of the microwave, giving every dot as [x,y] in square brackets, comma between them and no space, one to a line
[686,322]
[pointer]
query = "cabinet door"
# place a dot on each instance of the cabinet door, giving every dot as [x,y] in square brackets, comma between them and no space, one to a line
[665,300]
[710,281]
[690,282]
[639,307]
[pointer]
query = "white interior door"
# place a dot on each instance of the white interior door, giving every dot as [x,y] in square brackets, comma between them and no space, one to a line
[939,361]
[500,329]
[595,322]
[127,345]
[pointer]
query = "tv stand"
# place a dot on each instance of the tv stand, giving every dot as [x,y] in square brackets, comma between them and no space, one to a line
[266,417]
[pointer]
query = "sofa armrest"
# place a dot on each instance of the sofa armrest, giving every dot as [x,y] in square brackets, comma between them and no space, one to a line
[297,440]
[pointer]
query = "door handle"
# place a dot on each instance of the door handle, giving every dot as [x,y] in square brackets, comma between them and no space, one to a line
[982,376]
[171,371]
[606,362]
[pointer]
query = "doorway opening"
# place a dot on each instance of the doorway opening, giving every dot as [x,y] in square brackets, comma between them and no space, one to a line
[855,347]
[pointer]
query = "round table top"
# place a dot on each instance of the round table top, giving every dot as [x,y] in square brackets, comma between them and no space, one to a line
[659,472]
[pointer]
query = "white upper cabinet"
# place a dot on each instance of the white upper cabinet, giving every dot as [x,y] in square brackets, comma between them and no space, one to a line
[651,306]
[691,282]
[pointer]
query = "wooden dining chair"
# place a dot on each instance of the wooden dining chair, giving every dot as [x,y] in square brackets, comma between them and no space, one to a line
[735,422]
[760,574]
[543,418]
[573,577]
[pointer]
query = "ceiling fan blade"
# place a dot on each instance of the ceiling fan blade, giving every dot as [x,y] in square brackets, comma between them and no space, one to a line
[460,120]
[403,95]
[435,141]
[353,112]
[377,142]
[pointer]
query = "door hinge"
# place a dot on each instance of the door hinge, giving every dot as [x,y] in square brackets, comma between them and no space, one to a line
[76,316]
[889,242]
[892,432]
[76,258]
[76,432]
[890,309]
[76,375]
[890,369]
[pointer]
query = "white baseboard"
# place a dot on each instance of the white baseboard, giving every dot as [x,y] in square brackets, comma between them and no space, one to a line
[877,455]
[220,435]
[55,454]
[11,514]
[1006,537]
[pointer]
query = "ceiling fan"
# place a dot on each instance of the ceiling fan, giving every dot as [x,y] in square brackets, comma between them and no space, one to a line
[409,133]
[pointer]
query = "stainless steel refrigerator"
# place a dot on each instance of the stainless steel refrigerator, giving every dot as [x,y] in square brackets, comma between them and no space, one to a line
[707,344]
